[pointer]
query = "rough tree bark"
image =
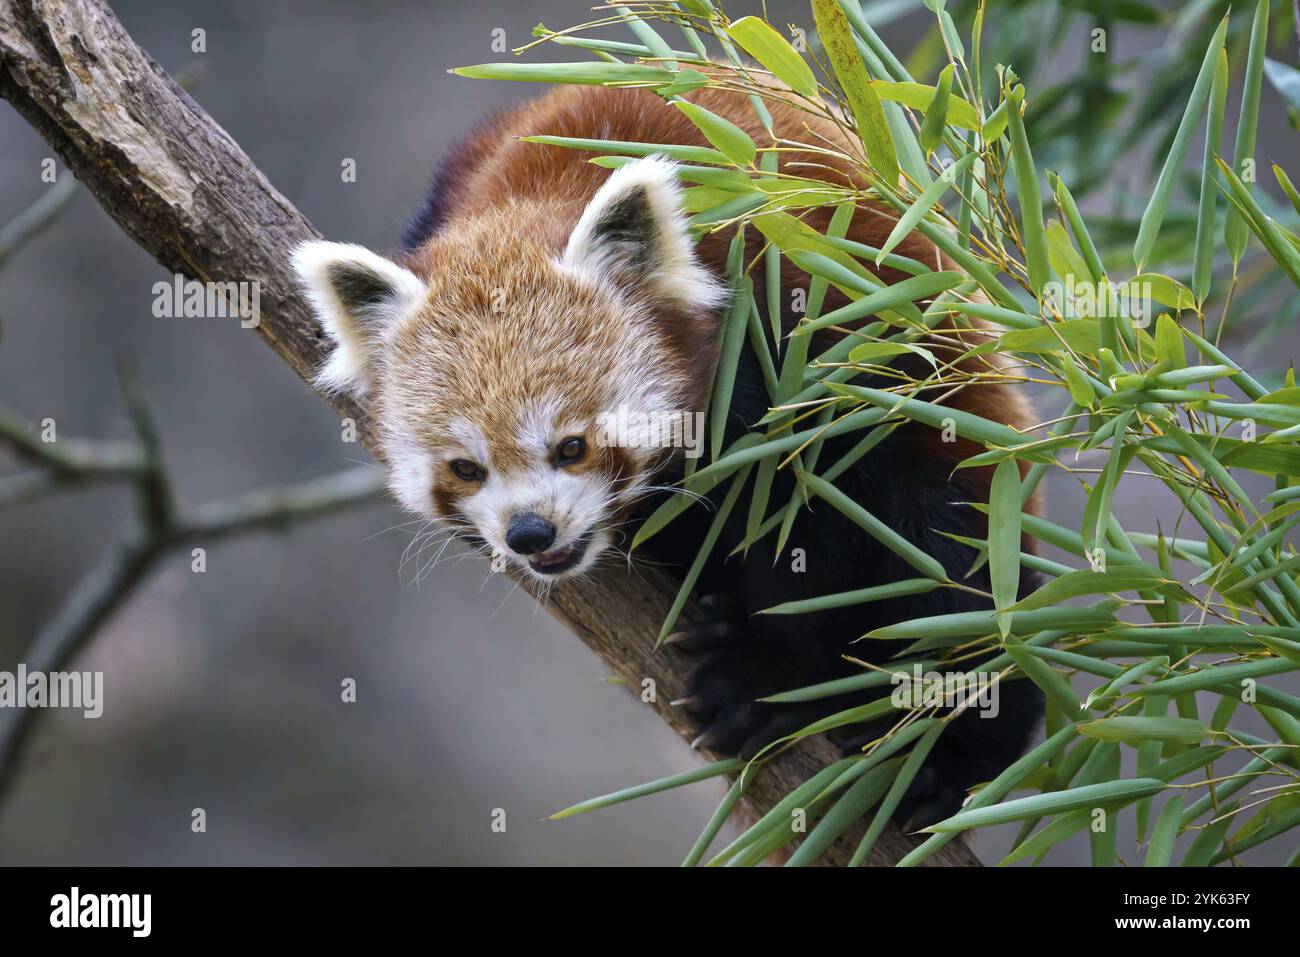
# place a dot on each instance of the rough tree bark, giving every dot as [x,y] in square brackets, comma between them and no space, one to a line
[178,184]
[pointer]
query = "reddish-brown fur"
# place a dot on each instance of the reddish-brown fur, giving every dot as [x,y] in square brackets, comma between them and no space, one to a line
[504,194]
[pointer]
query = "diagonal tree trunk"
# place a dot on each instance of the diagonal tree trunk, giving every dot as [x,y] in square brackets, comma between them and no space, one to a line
[179,186]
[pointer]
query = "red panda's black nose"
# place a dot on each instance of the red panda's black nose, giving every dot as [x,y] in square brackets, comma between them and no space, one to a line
[529,534]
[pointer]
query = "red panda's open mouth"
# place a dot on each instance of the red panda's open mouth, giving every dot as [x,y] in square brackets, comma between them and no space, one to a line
[559,560]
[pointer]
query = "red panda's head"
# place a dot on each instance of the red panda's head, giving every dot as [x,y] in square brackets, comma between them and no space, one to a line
[497,357]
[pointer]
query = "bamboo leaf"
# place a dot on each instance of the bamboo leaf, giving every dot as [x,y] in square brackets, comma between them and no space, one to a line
[1087,582]
[1082,336]
[1209,839]
[706,547]
[855,802]
[760,40]
[1109,691]
[1211,677]
[1031,197]
[1013,777]
[1287,187]
[647,35]
[898,296]
[729,766]
[1057,802]
[1267,231]
[1154,216]
[899,589]
[1135,728]
[779,815]
[1165,290]
[1069,265]
[688,154]
[675,505]
[591,74]
[1077,228]
[997,121]
[1161,849]
[719,817]
[1004,540]
[1204,259]
[906,774]
[1081,391]
[924,203]
[920,97]
[973,624]
[1169,345]
[936,114]
[733,338]
[1234,228]
[877,529]
[868,113]
[967,424]
[1285,79]
[870,353]
[726,136]
[1054,685]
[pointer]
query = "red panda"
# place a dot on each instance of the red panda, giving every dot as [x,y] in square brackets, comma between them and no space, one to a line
[536,292]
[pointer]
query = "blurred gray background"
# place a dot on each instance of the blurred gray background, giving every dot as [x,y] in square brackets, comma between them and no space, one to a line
[223,688]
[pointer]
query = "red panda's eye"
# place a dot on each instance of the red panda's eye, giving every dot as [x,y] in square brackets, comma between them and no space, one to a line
[467,470]
[571,450]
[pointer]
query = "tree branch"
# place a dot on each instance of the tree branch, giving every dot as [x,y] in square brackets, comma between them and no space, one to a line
[32,220]
[83,460]
[178,184]
[135,550]
[99,593]
[155,529]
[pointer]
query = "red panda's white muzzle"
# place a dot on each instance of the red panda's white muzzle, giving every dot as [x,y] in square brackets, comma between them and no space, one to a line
[556,561]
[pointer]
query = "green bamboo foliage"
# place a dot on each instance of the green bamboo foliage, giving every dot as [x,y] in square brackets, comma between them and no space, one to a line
[1159,205]
[1138,632]
[1247,123]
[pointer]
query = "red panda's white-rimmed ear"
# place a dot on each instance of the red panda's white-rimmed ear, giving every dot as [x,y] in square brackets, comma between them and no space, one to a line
[633,235]
[358,296]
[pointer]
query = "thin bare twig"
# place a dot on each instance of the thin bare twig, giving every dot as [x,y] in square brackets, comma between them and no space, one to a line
[31,221]
[133,553]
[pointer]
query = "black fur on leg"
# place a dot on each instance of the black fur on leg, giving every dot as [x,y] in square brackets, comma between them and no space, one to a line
[972,750]
[743,655]
[729,674]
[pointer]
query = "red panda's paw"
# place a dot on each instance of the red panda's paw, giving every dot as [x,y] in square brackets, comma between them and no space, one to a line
[729,676]
[935,794]
[717,626]
[723,693]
